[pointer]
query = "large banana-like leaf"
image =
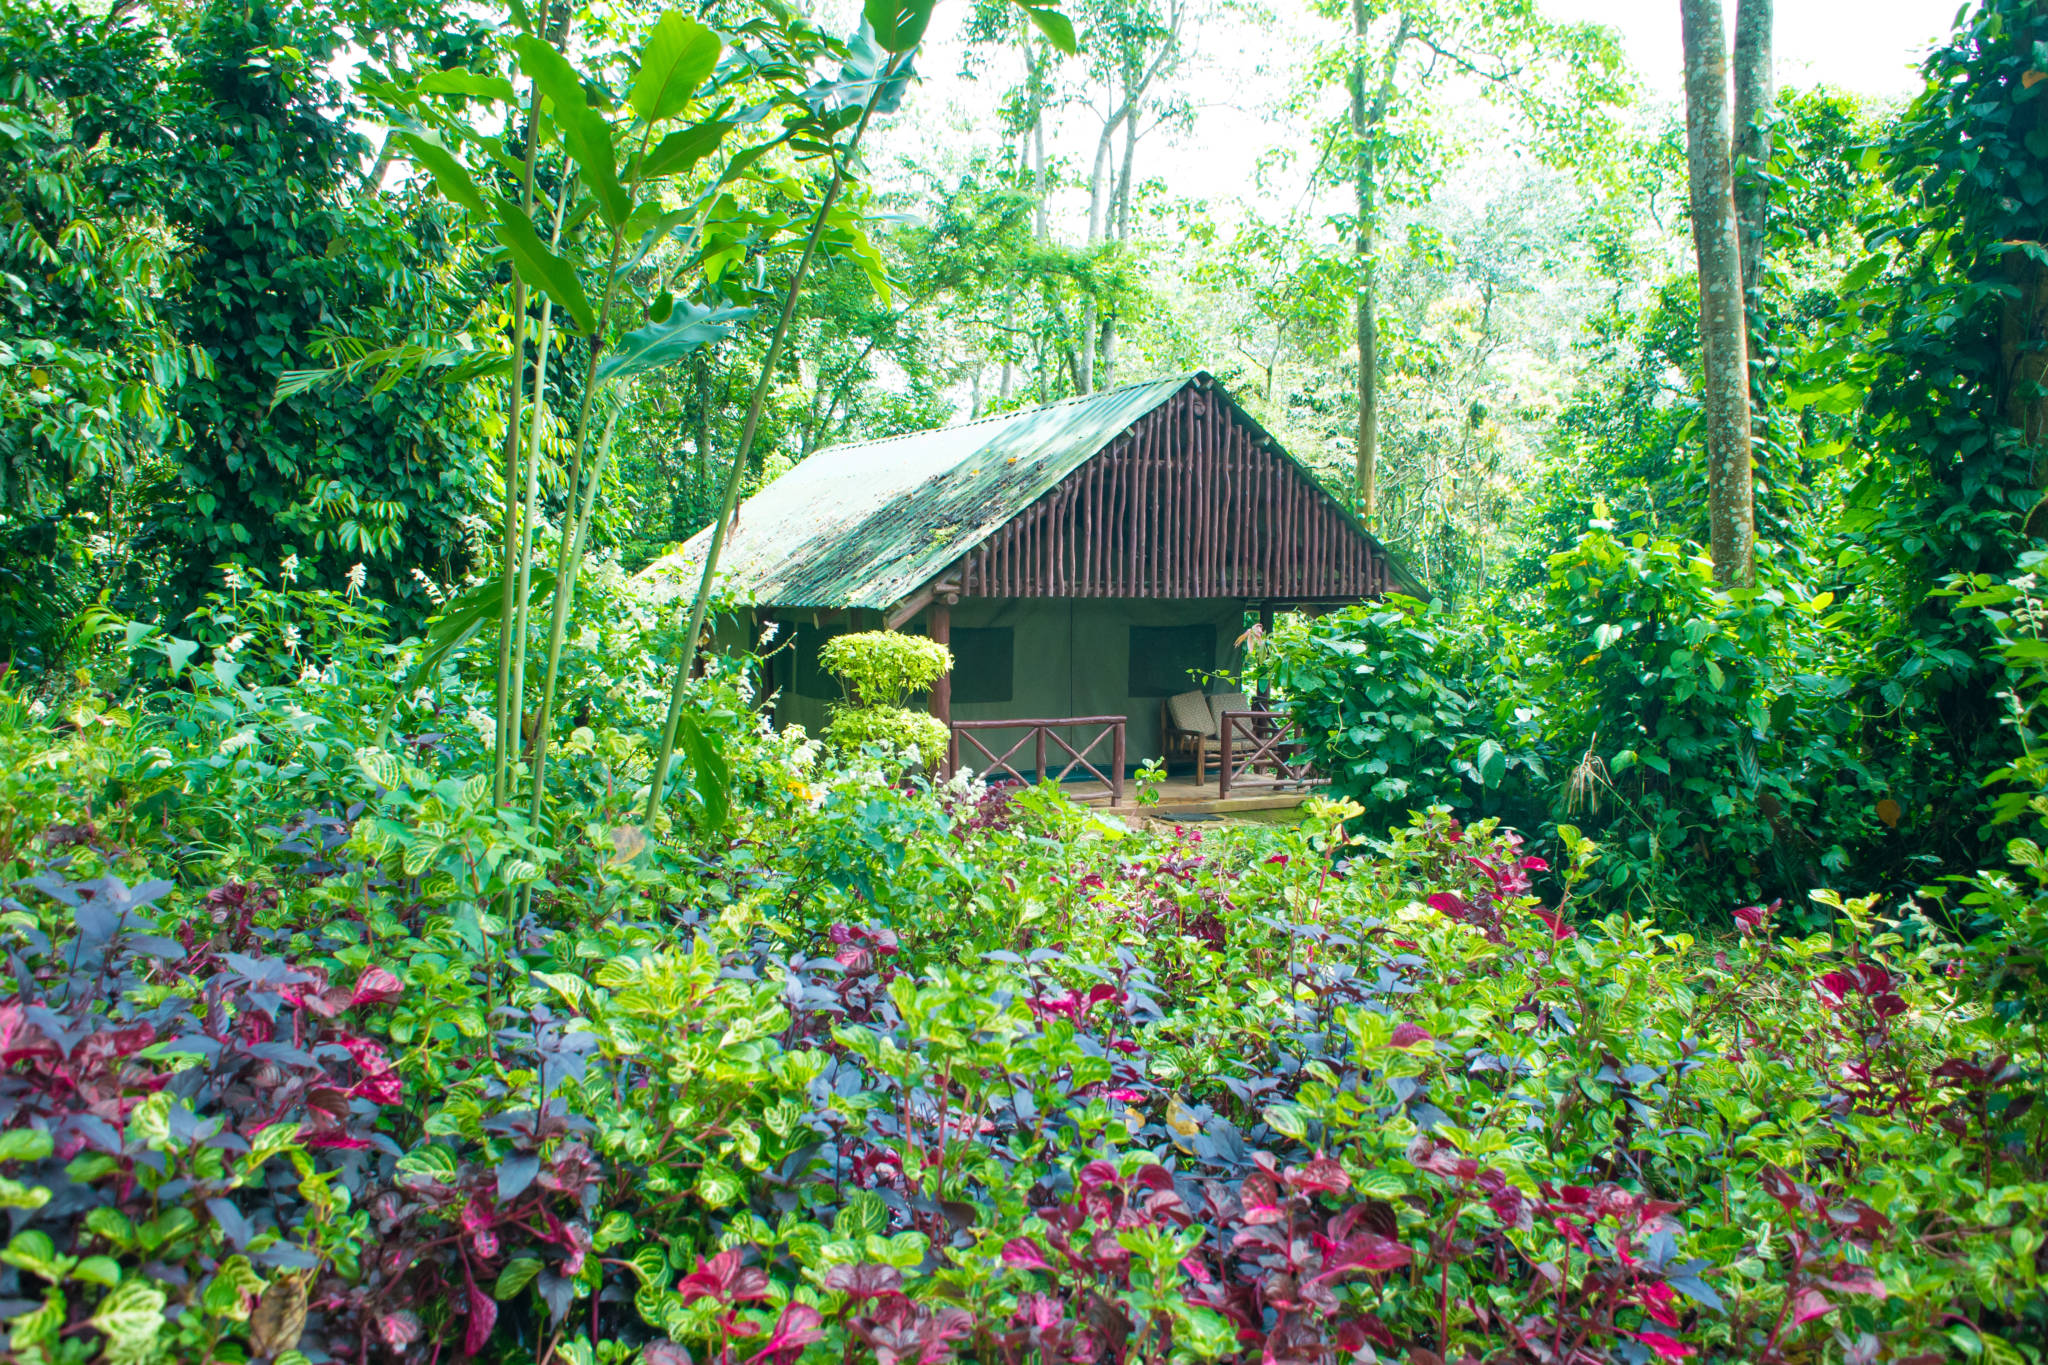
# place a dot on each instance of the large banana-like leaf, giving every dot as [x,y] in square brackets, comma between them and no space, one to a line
[678,55]
[684,148]
[710,775]
[542,268]
[584,129]
[665,342]
[450,175]
[898,24]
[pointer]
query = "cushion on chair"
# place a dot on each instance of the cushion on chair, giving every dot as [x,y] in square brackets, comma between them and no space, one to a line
[1190,711]
[1225,701]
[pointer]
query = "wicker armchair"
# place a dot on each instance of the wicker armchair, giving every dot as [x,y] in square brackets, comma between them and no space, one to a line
[1188,727]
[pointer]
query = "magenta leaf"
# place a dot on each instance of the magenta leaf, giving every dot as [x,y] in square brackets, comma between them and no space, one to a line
[375,986]
[867,1280]
[1665,1348]
[483,1316]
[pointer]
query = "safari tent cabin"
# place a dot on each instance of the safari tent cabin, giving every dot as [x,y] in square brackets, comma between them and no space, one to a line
[1085,561]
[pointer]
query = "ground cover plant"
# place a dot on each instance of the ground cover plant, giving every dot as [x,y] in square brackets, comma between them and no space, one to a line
[832,1064]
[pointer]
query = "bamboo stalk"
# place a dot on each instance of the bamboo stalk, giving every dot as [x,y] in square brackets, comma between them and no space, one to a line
[702,602]
[507,704]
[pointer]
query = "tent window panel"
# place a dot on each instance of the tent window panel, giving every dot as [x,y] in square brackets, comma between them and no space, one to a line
[984,664]
[811,680]
[1166,660]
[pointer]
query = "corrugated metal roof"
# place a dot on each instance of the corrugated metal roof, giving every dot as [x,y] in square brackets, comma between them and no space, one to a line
[867,525]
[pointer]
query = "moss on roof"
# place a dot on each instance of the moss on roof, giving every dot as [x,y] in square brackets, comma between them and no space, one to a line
[867,525]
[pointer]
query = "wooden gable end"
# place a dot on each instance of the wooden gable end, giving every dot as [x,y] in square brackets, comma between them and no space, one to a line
[1191,500]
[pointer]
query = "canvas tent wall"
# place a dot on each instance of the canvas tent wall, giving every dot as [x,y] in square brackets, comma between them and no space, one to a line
[1036,657]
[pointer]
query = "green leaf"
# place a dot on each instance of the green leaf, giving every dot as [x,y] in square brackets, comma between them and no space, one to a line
[234,1289]
[1606,636]
[1057,28]
[1492,763]
[1864,272]
[467,614]
[514,1277]
[104,1271]
[25,1144]
[650,1263]
[710,774]
[584,129]
[678,55]
[718,1187]
[900,24]
[451,177]
[429,1163]
[468,83]
[684,148]
[663,343]
[178,653]
[131,1318]
[33,1251]
[864,1215]
[15,1195]
[1287,1120]
[540,267]
[38,1325]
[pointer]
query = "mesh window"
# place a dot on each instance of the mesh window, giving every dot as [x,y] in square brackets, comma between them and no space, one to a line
[1165,659]
[811,680]
[984,663]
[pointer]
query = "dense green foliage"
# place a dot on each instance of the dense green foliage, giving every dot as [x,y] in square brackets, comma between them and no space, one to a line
[1841,724]
[186,202]
[831,1066]
[880,671]
[1709,738]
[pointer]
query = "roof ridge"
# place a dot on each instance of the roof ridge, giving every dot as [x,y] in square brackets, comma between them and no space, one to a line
[1069,401]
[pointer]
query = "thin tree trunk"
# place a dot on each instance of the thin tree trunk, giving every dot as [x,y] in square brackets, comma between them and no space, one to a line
[1101,190]
[1367,117]
[1724,351]
[1034,131]
[700,477]
[1755,92]
[700,604]
[1126,178]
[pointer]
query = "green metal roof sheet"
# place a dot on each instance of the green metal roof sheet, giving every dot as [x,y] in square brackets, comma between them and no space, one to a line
[867,525]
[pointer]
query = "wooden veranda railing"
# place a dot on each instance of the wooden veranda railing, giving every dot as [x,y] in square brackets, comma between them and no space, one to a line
[1260,749]
[1038,734]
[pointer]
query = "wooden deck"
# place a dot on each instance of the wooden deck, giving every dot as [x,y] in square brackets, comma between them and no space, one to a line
[1180,796]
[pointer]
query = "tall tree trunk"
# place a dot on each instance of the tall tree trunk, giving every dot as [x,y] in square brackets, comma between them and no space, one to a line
[1755,92]
[1724,350]
[1368,116]
[1126,178]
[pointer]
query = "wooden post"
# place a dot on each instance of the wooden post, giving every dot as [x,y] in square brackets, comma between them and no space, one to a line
[938,620]
[1265,698]
[1116,767]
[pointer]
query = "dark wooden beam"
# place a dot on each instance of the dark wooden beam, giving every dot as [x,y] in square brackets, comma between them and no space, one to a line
[938,624]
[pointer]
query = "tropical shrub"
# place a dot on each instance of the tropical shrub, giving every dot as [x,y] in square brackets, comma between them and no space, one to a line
[880,669]
[1702,735]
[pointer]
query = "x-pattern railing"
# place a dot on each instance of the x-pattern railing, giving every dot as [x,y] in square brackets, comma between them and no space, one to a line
[1260,749]
[1038,734]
